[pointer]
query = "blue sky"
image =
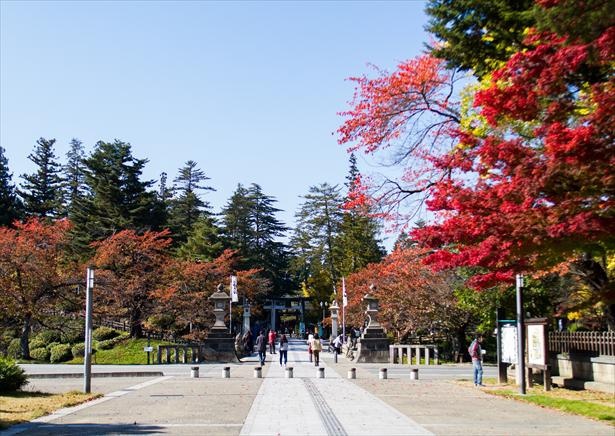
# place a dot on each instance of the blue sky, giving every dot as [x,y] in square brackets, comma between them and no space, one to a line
[249,90]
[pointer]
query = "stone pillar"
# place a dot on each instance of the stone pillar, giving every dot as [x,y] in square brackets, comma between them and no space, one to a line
[334,308]
[246,317]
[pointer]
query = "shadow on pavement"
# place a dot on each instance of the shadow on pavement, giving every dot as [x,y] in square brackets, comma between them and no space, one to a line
[90,429]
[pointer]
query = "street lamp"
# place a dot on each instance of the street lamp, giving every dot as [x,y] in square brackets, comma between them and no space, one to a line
[324,305]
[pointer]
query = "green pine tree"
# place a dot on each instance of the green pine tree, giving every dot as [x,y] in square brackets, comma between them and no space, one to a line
[73,176]
[204,243]
[42,190]
[116,199]
[186,207]
[10,205]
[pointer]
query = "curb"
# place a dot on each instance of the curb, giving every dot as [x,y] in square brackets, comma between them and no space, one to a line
[99,374]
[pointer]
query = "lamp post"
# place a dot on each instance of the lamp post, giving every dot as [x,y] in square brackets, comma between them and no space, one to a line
[323,305]
[87,359]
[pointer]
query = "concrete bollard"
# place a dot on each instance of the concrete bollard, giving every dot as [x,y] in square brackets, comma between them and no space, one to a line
[226,372]
[258,373]
[352,373]
[382,375]
[194,372]
[414,374]
[289,372]
[321,373]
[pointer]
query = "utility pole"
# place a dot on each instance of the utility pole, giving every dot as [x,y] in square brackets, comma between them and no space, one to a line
[520,336]
[87,359]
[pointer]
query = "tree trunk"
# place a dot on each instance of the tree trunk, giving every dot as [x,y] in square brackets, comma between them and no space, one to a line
[136,331]
[460,343]
[25,337]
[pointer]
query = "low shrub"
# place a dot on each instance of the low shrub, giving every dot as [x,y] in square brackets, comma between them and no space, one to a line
[110,343]
[104,333]
[73,335]
[53,344]
[60,353]
[12,376]
[78,350]
[46,337]
[14,349]
[40,353]
[37,343]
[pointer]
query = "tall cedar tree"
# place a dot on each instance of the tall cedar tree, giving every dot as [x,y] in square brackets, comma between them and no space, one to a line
[249,225]
[315,240]
[117,198]
[267,252]
[478,35]
[186,206]
[10,205]
[33,272]
[42,190]
[73,176]
[358,238]
[204,243]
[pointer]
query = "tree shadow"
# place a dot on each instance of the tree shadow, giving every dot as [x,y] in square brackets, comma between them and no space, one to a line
[87,429]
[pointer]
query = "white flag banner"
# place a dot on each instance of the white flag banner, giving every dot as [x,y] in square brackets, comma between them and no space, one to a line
[344,297]
[234,296]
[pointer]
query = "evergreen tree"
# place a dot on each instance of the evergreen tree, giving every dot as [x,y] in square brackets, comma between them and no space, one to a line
[249,226]
[358,239]
[203,242]
[10,206]
[315,241]
[42,190]
[236,226]
[117,198]
[73,175]
[266,251]
[187,207]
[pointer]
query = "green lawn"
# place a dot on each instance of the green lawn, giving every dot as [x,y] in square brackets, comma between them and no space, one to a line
[595,405]
[127,352]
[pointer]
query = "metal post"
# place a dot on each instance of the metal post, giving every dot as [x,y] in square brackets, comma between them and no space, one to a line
[87,360]
[148,348]
[230,316]
[499,316]
[520,336]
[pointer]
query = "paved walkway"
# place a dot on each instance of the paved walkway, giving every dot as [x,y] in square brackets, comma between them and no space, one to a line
[303,405]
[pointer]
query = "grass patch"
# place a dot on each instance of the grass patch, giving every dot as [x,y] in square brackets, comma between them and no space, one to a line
[595,405]
[19,407]
[126,352]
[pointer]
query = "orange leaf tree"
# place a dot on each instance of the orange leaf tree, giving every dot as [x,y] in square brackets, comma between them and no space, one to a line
[130,268]
[414,301]
[34,271]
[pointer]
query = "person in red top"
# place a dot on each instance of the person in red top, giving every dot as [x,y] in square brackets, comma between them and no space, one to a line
[272,337]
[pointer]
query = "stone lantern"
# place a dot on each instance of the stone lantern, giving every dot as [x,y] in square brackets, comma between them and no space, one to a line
[220,300]
[334,308]
[373,346]
[220,345]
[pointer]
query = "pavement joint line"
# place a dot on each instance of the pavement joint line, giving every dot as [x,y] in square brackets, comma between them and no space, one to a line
[19,428]
[333,426]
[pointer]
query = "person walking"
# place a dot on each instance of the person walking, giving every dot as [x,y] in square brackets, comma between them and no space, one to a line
[316,349]
[309,342]
[476,353]
[283,349]
[261,347]
[272,337]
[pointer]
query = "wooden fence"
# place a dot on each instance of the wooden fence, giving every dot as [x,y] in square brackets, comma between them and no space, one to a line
[602,343]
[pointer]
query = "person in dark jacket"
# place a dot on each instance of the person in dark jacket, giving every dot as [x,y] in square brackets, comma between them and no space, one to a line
[261,346]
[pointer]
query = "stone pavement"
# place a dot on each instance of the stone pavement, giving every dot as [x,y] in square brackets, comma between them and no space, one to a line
[303,405]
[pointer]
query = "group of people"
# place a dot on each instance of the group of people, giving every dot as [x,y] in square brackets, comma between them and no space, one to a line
[261,346]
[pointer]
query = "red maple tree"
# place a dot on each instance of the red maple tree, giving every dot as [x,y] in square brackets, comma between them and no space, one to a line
[34,271]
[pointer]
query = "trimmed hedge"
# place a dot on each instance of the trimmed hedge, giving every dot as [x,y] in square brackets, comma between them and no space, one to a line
[53,344]
[37,343]
[104,333]
[78,350]
[60,353]
[41,354]
[12,376]
[110,343]
[72,336]
[46,337]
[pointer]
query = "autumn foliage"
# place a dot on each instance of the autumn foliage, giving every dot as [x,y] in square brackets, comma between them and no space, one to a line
[413,299]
